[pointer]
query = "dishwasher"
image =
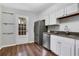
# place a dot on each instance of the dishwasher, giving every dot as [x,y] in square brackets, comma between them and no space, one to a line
[46,41]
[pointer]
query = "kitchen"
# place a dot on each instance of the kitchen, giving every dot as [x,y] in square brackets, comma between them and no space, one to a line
[54,29]
[62,35]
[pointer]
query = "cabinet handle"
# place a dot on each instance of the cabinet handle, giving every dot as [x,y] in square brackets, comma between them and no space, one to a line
[59,42]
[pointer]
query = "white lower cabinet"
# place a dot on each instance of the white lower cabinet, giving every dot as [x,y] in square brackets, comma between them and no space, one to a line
[62,46]
[67,47]
[53,43]
[77,47]
[58,47]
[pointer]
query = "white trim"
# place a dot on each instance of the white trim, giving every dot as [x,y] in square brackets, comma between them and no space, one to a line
[8,45]
[30,41]
[13,45]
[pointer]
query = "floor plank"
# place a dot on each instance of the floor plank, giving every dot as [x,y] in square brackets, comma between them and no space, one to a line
[31,49]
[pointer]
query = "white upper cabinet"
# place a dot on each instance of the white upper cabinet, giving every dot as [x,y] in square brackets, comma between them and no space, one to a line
[46,18]
[72,8]
[60,13]
[53,19]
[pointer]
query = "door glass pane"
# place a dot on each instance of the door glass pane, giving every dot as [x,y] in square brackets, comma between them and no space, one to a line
[22,26]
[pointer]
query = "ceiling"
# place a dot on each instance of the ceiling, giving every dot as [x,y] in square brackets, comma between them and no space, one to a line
[32,7]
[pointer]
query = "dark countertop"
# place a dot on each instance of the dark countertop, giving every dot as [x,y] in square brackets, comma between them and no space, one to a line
[73,35]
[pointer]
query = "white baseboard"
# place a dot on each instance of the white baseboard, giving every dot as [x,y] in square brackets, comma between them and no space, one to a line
[30,41]
[13,45]
[8,45]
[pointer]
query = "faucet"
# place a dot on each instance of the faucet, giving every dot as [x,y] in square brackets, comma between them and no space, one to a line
[66,28]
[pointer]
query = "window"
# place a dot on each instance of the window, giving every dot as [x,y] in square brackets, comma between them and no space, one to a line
[22,26]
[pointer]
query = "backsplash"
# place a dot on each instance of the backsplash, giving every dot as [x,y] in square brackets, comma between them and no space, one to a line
[53,28]
[72,23]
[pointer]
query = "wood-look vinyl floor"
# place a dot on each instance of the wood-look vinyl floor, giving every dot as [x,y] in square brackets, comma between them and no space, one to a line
[31,49]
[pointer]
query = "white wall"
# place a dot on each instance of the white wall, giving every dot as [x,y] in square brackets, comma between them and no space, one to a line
[21,39]
[32,17]
[30,25]
[71,22]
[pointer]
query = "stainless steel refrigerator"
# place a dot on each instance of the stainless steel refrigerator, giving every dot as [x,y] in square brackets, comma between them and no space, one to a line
[39,28]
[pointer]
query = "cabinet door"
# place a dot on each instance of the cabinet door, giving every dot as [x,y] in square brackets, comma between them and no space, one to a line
[77,47]
[71,9]
[60,13]
[53,43]
[58,48]
[67,48]
[58,45]
[53,19]
[46,20]
[62,46]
